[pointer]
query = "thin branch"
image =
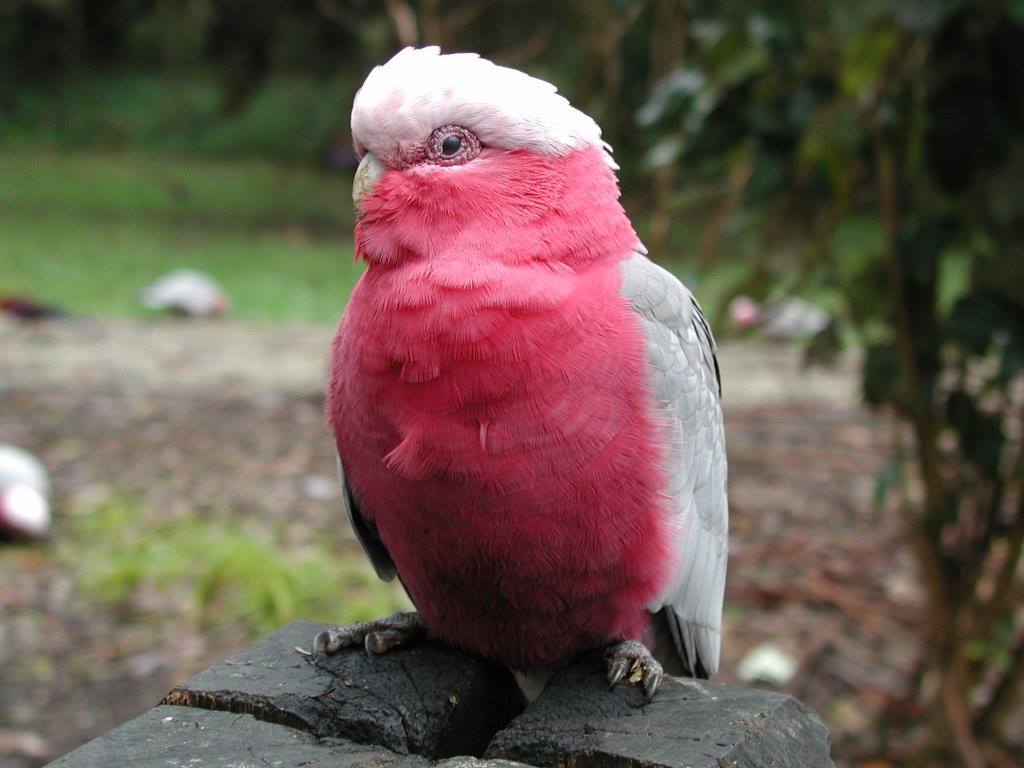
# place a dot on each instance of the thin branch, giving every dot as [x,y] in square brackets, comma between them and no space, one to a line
[619,26]
[999,603]
[1005,691]
[923,536]
[538,42]
[925,531]
[739,176]
[403,19]
[923,412]
[954,705]
[340,14]
[459,18]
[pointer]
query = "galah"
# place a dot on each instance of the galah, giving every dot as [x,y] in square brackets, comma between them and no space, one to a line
[526,408]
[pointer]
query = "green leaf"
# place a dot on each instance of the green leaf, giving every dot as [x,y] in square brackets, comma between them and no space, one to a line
[882,375]
[980,434]
[708,32]
[856,246]
[1013,359]
[664,152]
[865,58]
[887,479]
[772,169]
[675,89]
[954,278]
[981,320]
[741,67]
[1016,10]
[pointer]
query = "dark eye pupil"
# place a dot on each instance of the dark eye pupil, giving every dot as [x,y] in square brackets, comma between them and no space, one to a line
[452,143]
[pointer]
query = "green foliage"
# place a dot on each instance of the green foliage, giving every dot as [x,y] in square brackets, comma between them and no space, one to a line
[88,231]
[872,152]
[271,79]
[289,119]
[216,571]
[790,110]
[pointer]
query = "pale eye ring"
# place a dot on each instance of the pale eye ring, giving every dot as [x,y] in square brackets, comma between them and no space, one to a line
[452,145]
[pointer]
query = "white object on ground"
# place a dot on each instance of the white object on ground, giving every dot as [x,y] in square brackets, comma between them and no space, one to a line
[793,319]
[186,291]
[319,488]
[24,511]
[767,664]
[24,493]
[19,467]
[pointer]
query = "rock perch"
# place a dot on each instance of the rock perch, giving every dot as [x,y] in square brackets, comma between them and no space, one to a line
[429,706]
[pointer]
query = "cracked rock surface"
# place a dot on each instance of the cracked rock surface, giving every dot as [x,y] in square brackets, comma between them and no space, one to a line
[429,705]
[577,721]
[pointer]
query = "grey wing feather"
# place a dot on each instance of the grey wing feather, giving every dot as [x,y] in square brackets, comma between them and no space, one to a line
[365,530]
[686,385]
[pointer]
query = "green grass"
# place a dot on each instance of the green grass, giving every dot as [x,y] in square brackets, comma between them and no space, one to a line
[217,192]
[87,231]
[225,573]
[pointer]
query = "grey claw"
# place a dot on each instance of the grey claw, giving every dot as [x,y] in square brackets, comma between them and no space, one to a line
[320,643]
[617,671]
[372,644]
[652,679]
[331,641]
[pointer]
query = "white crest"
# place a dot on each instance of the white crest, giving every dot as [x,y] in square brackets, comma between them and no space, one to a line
[419,89]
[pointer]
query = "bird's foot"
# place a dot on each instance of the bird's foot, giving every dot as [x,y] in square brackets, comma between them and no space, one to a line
[376,637]
[632,660]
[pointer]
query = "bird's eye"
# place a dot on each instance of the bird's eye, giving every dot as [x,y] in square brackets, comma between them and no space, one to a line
[452,145]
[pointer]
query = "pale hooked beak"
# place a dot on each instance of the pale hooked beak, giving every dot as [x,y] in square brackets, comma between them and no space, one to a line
[367,174]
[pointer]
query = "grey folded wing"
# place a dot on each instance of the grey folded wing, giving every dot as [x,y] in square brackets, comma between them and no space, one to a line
[365,530]
[685,383]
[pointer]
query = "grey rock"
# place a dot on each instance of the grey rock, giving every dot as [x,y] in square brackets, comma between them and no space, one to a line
[428,706]
[689,724]
[475,762]
[182,737]
[426,699]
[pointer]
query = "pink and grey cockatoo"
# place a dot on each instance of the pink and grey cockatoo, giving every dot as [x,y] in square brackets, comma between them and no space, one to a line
[526,408]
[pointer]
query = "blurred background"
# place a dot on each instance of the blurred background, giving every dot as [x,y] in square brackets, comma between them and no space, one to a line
[841,183]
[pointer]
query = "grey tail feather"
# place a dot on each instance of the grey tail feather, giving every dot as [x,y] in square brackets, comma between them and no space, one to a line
[667,619]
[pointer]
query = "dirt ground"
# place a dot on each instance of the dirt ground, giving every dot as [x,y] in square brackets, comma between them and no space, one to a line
[191,418]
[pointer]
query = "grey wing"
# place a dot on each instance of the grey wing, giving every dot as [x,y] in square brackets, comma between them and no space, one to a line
[365,530]
[685,382]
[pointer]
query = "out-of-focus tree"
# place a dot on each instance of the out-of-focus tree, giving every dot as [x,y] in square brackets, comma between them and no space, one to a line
[604,53]
[874,154]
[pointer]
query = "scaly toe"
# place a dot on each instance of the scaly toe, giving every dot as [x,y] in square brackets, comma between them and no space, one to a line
[632,661]
[376,637]
[383,640]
